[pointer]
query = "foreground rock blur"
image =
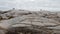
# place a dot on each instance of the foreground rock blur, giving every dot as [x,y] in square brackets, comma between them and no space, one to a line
[34,22]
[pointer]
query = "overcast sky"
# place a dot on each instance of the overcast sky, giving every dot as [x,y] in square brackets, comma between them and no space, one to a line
[30,4]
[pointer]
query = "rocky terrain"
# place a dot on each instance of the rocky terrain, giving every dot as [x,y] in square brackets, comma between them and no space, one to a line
[34,22]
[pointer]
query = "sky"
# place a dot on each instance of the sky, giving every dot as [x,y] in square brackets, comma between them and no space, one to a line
[51,5]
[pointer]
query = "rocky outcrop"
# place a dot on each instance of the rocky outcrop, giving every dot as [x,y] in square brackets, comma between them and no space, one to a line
[41,21]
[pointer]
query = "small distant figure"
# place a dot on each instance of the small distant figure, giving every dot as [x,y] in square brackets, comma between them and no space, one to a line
[13,8]
[40,9]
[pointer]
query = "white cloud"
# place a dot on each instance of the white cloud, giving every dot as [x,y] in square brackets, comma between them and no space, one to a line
[31,4]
